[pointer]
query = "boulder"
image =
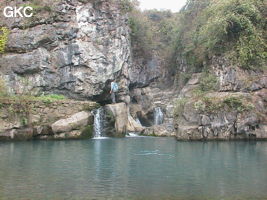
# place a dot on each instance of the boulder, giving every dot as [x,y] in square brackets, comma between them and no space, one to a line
[188,132]
[68,135]
[246,124]
[222,124]
[133,126]
[42,130]
[119,112]
[158,130]
[17,134]
[75,122]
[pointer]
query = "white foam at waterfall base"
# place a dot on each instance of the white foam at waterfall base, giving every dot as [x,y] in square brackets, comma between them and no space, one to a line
[158,116]
[100,138]
[98,124]
[133,134]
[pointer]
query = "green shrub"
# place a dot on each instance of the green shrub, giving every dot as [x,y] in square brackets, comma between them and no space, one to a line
[153,31]
[235,26]
[208,82]
[3,88]
[50,98]
[200,106]
[141,34]
[18,106]
[209,105]
[22,105]
[126,5]
[4,32]
[87,132]
[179,106]
[229,103]
[237,103]
[185,77]
[232,28]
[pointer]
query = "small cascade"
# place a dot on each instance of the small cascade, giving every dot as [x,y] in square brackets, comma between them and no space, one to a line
[138,121]
[158,116]
[98,122]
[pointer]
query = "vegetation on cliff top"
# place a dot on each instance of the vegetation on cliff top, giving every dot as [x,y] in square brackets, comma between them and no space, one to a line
[204,28]
[6,95]
[228,103]
[22,105]
[231,28]
[214,104]
[153,31]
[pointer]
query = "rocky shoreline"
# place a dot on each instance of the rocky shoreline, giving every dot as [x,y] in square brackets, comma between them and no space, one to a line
[26,120]
[60,120]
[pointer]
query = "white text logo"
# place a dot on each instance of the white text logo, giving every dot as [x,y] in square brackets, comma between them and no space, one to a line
[18,12]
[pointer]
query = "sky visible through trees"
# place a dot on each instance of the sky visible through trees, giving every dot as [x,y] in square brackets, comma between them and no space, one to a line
[173,5]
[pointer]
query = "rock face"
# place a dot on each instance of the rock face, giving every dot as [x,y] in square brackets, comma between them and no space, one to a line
[144,71]
[75,122]
[133,126]
[224,125]
[158,130]
[235,110]
[146,100]
[118,113]
[232,78]
[46,120]
[75,48]
[17,134]
[235,107]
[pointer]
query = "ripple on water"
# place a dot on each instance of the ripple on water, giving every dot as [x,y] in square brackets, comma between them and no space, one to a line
[133,168]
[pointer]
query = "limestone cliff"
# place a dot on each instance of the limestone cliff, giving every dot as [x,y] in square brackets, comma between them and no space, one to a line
[76,47]
[225,102]
[232,106]
[70,47]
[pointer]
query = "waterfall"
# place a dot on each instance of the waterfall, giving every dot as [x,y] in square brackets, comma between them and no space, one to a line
[98,122]
[138,121]
[158,116]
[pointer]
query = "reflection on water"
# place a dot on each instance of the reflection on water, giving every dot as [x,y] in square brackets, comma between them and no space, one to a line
[133,168]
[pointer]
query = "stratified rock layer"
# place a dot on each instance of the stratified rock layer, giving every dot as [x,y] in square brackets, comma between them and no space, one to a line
[235,110]
[27,120]
[75,49]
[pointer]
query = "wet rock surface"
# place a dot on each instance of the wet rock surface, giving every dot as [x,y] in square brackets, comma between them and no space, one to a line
[118,114]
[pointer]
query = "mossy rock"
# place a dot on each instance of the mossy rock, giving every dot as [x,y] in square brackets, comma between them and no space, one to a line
[109,126]
[87,132]
[91,106]
[23,134]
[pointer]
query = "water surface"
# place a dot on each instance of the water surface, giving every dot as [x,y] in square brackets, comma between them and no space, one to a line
[133,168]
